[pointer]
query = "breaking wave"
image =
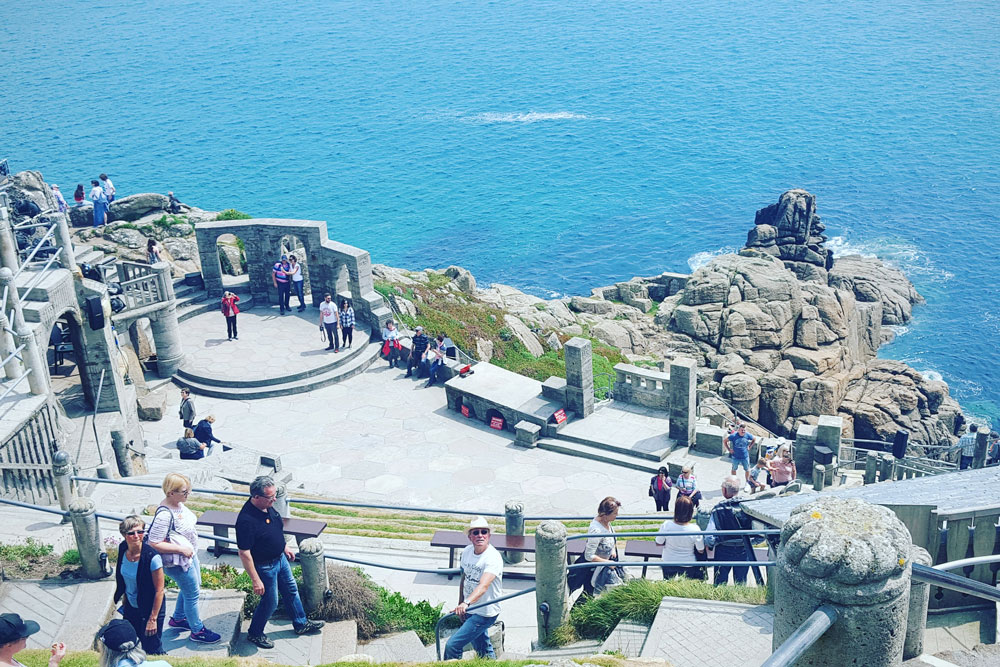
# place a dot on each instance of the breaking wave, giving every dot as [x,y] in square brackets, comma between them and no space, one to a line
[529,117]
[700,259]
[906,257]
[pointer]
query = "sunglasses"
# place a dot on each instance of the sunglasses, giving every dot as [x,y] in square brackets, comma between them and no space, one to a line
[136,532]
[480,531]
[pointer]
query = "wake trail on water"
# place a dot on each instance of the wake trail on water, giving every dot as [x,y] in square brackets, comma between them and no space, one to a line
[528,117]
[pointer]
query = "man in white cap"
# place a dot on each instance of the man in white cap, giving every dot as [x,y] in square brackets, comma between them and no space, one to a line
[482,582]
[418,349]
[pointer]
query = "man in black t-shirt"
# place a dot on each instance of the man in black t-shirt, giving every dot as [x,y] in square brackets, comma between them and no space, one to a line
[418,348]
[260,539]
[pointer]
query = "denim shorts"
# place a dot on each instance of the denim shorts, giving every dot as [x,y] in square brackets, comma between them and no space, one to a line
[741,461]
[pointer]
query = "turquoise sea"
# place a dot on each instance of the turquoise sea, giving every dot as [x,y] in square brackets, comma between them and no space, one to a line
[555,146]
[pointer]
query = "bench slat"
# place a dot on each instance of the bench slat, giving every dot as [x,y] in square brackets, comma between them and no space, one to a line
[299,528]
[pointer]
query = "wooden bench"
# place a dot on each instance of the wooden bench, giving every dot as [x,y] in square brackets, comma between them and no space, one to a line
[453,539]
[220,522]
[648,549]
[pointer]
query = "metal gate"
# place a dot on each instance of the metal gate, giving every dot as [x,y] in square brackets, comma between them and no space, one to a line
[26,461]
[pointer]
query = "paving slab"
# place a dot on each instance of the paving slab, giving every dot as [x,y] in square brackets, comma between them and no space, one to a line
[220,612]
[289,648]
[627,638]
[398,647]
[66,611]
[704,633]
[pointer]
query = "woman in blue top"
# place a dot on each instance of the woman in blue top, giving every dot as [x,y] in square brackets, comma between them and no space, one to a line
[139,579]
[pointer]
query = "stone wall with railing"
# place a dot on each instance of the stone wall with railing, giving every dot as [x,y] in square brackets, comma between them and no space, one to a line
[642,386]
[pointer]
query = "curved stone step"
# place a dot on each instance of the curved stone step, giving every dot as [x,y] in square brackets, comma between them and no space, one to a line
[361,340]
[358,364]
[597,453]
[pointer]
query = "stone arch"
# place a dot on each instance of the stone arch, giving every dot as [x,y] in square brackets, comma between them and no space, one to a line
[233,265]
[71,326]
[493,412]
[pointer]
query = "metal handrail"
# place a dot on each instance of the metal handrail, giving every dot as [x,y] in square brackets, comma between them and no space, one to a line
[744,417]
[41,274]
[401,508]
[12,355]
[978,560]
[804,637]
[34,251]
[673,563]
[502,598]
[15,383]
[954,582]
[700,533]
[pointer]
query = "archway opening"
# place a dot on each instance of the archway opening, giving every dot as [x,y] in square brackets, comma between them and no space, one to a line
[233,262]
[66,357]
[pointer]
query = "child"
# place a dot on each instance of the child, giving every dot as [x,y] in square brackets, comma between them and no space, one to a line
[758,470]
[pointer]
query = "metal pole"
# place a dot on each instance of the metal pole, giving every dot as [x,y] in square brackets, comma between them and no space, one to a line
[97,402]
[802,639]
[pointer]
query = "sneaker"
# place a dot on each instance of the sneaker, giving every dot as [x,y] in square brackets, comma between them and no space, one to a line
[182,623]
[260,640]
[310,626]
[236,337]
[206,636]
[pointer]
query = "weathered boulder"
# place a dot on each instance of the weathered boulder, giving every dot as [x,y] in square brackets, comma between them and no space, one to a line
[792,231]
[523,334]
[870,280]
[594,306]
[462,279]
[553,342]
[133,207]
[612,333]
[81,216]
[484,349]
[151,406]
[29,186]
[231,259]
[124,236]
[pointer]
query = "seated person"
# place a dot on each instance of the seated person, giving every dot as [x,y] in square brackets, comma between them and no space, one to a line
[190,448]
[759,474]
[687,486]
[119,646]
[14,633]
[203,433]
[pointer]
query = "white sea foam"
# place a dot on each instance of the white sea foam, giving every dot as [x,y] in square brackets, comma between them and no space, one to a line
[529,117]
[906,257]
[899,329]
[700,259]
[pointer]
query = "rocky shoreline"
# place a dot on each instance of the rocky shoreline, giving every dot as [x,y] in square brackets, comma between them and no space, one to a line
[781,331]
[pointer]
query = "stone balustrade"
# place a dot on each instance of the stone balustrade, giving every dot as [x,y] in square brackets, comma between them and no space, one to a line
[642,386]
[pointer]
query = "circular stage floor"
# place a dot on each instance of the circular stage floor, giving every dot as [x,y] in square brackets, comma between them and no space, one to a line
[271,347]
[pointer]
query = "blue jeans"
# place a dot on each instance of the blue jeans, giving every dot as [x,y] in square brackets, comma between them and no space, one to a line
[190,589]
[724,552]
[300,292]
[965,462]
[284,294]
[277,576]
[476,629]
[435,369]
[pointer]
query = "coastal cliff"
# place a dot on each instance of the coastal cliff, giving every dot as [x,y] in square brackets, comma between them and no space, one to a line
[781,330]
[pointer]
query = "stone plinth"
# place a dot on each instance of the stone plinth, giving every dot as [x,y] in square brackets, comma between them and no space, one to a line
[579,376]
[855,557]
[683,381]
[526,434]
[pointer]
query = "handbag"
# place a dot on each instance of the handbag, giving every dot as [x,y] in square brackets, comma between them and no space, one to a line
[172,535]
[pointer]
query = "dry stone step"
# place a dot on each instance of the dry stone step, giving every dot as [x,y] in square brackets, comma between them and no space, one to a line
[220,612]
[399,647]
[585,451]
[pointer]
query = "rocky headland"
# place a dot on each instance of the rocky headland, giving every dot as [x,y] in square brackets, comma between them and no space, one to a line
[782,331]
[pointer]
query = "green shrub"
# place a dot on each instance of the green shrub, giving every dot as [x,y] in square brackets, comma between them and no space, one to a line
[395,613]
[638,600]
[386,289]
[437,280]
[71,557]
[232,214]
[22,556]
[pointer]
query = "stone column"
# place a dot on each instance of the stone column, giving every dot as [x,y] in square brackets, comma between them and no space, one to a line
[982,445]
[65,241]
[854,556]
[871,468]
[683,400]
[167,338]
[916,618]
[828,432]
[315,580]
[62,472]
[119,442]
[550,578]
[514,517]
[88,536]
[579,376]
[165,279]
[8,245]
[12,369]
[886,467]
[281,500]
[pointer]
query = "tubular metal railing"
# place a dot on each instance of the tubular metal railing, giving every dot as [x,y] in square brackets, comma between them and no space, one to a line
[742,416]
[803,638]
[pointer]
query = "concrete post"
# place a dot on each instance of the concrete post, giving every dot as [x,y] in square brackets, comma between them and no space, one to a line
[165,279]
[916,617]
[828,432]
[551,589]
[886,466]
[514,518]
[62,473]
[579,376]
[683,400]
[88,536]
[12,369]
[63,239]
[871,468]
[315,580]
[281,500]
[982,446]
[119,442]
[854,556]
[819,477]
[8,245]
[167,338]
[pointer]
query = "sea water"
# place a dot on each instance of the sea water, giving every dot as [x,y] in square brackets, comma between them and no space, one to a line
[554,146]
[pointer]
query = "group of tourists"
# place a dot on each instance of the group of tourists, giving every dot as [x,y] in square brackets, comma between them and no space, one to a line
[967,446]
[286,274]
[334,319]
[102,193]
[198,439]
